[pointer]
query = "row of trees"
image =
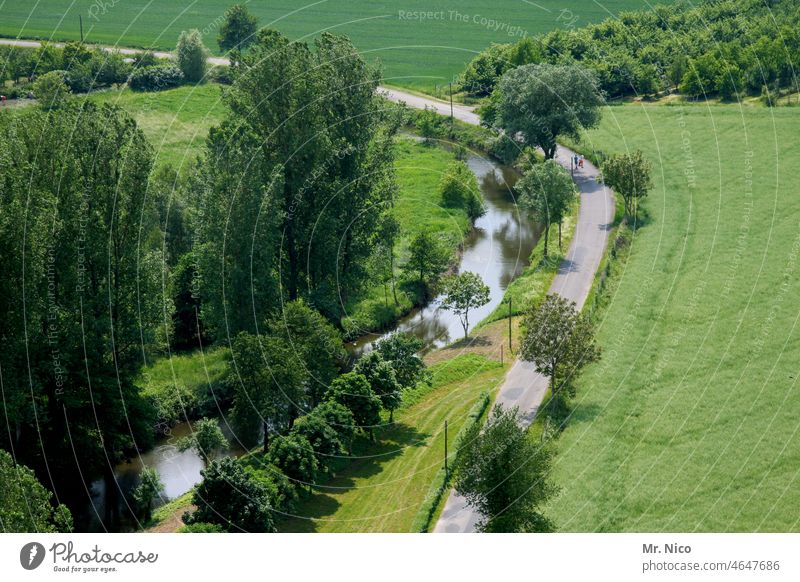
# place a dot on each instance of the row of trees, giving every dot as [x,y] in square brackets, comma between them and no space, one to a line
[308,431]
[713,48]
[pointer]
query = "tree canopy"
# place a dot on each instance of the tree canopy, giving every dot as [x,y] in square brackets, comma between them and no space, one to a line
[630,175]
[542,102]
[503,472]
[549,191]
[238,30]
[462,293]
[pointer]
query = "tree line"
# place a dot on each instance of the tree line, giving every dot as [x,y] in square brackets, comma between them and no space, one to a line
[722,48]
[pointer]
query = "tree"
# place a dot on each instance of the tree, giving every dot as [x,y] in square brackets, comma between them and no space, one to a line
[51,90]
[238,30]
[503,473]
[316,344]
[630,175]
[192,56]
[231,497]
[459,189]
[483,71]
[385,239]
[544,102]
[294,455]
[559,340]
[293,183]
[77,232]
[464,292]
[382,379]
[322,437]
[400,350]
[340,419]
[428,258]
[269,386]
[25,505]
[429,124]
[353,391]
[548,190]
[147,491]
[205,439]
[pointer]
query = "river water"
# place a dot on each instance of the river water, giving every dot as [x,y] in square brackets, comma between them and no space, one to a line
[497,249]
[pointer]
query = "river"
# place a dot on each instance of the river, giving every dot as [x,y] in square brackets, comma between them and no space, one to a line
[497,249]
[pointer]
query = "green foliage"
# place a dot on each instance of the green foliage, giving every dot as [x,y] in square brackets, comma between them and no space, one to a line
[315,342]
[232,498]
[322,437]
[629,175]
[294,455]
[353,391]
[400,350]
[149,489]
[155,78]
[340,419]
[382,379]
[463,292]
[201,528]
[51,90]
[459,188]
[429,124]
[192,56]
[91,282]
[559,340]
[548,190]
[25,504]
[205,439]
[270,386]
[691,47]
[283,185]
[238,30]
[428,259]
[484,70]
[504,474]
[545,102]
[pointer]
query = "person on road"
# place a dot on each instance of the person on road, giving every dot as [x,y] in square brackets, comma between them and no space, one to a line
[580,162]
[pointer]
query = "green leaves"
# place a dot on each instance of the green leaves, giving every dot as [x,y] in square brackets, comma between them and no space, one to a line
[630,175]
[464,292]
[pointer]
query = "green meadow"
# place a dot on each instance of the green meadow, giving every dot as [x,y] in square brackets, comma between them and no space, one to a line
[421,43]
[689,421]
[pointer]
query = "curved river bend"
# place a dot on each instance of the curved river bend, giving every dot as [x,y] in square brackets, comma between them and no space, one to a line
[497,249]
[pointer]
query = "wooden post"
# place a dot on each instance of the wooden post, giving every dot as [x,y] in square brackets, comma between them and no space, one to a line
[510,348]
[445,449]
[501,354]
[451,105]
[81,21]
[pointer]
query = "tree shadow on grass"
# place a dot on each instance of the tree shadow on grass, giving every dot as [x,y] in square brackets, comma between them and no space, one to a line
[470,342]
[368,460]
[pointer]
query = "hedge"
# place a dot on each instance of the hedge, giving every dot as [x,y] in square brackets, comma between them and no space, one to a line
[155,78]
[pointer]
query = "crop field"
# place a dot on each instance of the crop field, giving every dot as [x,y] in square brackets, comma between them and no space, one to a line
[689,422]
[421,43]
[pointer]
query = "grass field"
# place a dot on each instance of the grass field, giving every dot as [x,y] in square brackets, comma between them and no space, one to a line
[689,422]
[175,121]
[415,52]
[382,490]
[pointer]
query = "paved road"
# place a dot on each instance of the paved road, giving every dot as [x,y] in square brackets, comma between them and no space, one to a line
[523,386]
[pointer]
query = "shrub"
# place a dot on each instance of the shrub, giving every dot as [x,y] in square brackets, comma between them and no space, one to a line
[192,56]
[155,78]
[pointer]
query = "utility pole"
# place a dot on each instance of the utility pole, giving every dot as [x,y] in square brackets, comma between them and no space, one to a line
[451,104]
[510,348]
[80,17]
[501,354]
[445,450]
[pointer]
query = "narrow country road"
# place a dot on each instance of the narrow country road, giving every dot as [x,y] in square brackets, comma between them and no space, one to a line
[523,386]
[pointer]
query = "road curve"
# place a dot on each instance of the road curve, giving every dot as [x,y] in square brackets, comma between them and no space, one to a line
[523,386]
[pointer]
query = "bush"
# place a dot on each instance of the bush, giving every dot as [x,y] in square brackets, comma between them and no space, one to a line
[201,528]
[156,78]
[79,79]
[51,89]
[221,74]
[192,56]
